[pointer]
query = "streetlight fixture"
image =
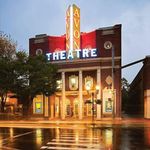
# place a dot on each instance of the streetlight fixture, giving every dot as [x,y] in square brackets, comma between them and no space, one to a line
[88,88]
[113,66]
[109,45]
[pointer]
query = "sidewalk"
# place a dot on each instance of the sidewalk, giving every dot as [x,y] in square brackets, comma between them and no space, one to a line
[116,121]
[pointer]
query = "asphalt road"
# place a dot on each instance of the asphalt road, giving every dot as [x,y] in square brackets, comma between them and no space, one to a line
[76,137]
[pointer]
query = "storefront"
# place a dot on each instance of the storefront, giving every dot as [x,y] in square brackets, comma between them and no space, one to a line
[87,85]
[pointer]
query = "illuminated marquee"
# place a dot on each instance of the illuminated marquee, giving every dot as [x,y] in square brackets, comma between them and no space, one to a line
[73,50]
[63,55]
[73,28]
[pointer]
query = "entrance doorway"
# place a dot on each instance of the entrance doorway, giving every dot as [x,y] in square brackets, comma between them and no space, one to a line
[69,111]
[72,107]
[75,107]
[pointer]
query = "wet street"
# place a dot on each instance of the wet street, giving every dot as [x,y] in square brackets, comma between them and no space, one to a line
[76,137]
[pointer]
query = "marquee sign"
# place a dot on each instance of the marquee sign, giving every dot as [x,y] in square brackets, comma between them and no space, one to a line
[73,28]
[78,53]
[73,50]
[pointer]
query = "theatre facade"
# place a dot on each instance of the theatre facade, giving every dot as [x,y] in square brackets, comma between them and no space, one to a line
[89,70]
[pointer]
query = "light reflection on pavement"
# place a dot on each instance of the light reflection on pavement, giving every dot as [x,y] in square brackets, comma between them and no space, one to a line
[78,136]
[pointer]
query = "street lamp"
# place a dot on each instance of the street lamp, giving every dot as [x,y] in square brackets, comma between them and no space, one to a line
[109,45]
[88,88]
[113,66]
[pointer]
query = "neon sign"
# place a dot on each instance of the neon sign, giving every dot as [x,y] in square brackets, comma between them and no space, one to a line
[78,53]
[72,28]
[73,50]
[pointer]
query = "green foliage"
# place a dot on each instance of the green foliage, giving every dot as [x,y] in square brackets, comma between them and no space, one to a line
[124,84]
[6,80]
[125,94]
[7,46]
[33,76]
[7,52]
[25,76]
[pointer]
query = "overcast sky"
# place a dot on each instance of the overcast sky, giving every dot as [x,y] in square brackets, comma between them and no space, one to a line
[23,19]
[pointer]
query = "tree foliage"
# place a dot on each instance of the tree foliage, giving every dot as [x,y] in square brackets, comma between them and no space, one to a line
[22,75]
[6,80]
[7,45]
[125,94]
[33,76]
[7,51]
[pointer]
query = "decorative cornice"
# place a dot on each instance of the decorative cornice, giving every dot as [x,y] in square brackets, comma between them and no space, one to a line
[106,59]
[86,68]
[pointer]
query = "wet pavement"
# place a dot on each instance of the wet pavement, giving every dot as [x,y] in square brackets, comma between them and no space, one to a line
[76,137]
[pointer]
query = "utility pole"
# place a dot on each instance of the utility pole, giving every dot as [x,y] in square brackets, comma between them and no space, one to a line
[113,65]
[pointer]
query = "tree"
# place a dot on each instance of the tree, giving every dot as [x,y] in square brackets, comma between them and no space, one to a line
[33,76]
[125,94]
[7,51]
[6,80]
[7,46]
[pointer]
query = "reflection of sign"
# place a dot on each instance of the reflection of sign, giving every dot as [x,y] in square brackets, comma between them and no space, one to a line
[88,83]
[73,82]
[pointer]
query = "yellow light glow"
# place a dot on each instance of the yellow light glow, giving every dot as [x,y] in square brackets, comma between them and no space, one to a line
[11,132]
[57,133]
[38,105]
[97,87]
[59,84]
[110,91]
[38,136]
[108,138]
[73,80]
[88,87]
[1,141]
[76,136]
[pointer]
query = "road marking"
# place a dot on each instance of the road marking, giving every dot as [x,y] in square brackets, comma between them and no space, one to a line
[75,144]
[72,136]
[44,147]
[5,141]
[69,141]
[16,136]
[8,148]
[81,138]
[71,148]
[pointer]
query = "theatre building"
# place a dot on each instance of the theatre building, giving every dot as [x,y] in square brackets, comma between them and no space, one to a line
[88,68]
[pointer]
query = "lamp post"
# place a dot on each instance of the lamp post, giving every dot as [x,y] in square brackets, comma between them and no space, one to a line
[109,45]
[113,65]
[92,107]
[88,88]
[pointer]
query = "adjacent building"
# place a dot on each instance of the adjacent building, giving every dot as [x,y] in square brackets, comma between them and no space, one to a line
[140,92]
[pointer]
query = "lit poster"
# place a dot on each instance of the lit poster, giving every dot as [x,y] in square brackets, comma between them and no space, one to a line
[38,107]
[108,106]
